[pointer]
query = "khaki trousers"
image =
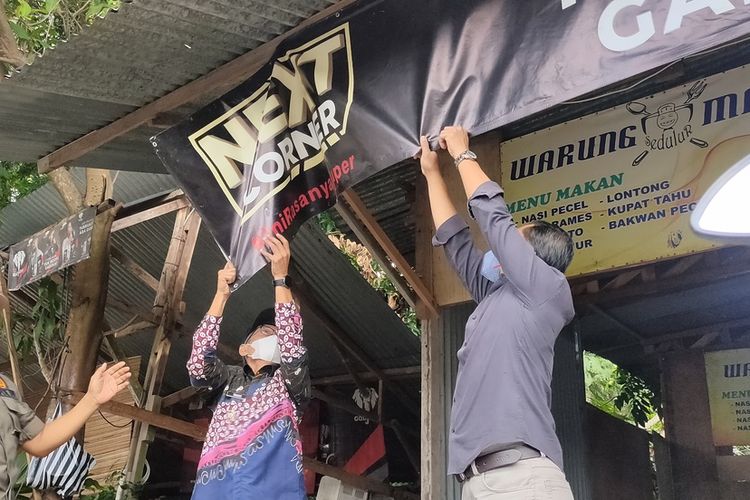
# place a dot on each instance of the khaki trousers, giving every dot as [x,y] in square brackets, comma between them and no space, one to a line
[530,479]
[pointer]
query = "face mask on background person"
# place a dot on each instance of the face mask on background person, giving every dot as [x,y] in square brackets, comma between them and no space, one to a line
[267,349]
[491,268]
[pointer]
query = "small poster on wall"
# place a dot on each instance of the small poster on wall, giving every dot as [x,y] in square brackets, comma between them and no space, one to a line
[58,246]
[728,380]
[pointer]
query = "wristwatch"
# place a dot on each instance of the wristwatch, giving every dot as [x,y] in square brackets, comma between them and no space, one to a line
[466,155]
[282,282]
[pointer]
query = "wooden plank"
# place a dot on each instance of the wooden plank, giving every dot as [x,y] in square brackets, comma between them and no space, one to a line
[360,482]
[434,423]
[377,253]
[134,268]
[680,282]
[336,332]
[211,85]
[682,265]
[382,239]
[148,417]
[179,396]
[392,373]
[166,306]
[129,329]
[135,387]
[423,241]
[8,326]
[622,326]
[447,286]
[107,437]
[622,279]
[151,213]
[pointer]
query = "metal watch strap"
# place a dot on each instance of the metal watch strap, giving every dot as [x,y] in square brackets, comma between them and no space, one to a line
[466,155]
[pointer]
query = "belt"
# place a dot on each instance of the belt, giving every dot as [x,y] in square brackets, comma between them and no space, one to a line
[498,459]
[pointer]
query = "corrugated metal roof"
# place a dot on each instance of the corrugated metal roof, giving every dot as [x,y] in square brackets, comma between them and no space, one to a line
[342,293]
[145,50]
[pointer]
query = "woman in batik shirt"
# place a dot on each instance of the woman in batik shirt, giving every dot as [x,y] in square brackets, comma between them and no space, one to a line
[253,448]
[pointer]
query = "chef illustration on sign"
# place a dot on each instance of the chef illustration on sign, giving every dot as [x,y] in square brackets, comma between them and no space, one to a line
[665,118]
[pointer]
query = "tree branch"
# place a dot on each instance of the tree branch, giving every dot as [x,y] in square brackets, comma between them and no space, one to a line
[63,181]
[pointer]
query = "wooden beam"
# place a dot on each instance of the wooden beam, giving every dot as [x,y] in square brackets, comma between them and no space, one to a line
[700,331]
[134,268]
[680,282]
[211,85]
[135,387]
[360,210]
[622,279]
[359,482]
[622,326]
[377,253]
[179,396]
[434,422]
[166,307]
[5,309]
[682,265]
[148,417]
[129,328]
[348,364]
[336,332]
[392,373]
[151,213]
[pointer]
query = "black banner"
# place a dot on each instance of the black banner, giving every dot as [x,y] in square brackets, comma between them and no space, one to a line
[60,245]
[352,94]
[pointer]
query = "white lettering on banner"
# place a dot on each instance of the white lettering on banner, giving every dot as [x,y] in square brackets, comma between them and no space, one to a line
[611,40]
[298,131]
[646,29]
[681,8]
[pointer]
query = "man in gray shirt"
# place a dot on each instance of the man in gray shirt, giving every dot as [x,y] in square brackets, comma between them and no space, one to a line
[502,441]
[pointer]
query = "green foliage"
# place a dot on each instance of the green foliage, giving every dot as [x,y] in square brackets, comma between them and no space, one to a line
[618,393]
[44,325]
[42,24]
[93,490]
[18,180]
[371,271]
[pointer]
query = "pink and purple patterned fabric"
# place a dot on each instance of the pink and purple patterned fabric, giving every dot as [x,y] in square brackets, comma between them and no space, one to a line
[253,448]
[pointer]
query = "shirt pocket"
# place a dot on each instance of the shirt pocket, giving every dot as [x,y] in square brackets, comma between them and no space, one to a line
[25,423]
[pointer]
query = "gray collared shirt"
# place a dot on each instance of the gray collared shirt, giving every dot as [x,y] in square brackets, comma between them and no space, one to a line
[503,394]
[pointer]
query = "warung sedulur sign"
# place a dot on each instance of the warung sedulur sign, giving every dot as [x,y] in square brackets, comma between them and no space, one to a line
[351,95]
[624,182]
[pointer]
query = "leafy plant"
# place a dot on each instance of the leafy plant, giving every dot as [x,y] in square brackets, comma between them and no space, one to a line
[93,490]
[619,393]
[371,271]
[41,24]
[44,330]
[18,180]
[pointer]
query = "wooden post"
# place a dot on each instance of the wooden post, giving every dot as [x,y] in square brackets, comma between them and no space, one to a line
[8,326]
[687,425]
[86,316]
[433,413]
[167,308]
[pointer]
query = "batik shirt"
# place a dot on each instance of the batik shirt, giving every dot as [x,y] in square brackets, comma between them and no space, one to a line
[253,448]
